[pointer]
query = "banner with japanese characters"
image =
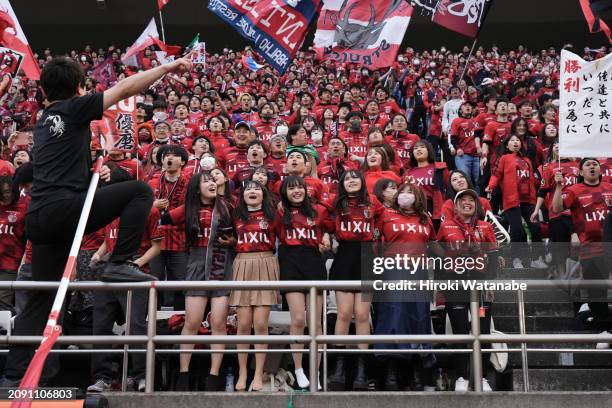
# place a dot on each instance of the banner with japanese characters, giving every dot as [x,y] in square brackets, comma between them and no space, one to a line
[199,54]
[585,106]
[117,129]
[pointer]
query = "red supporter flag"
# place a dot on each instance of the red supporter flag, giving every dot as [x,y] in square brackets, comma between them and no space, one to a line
[146,39]
[461,16]
[105,74]
[362,32]
[162,3]
[591,10]
[117,129]
[12,36]
[168,49]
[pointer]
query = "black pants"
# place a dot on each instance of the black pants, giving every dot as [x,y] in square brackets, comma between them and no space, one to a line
[517,234]
[172,266]
[108,307]
[51,230]
[419,117]
[458,314]
[595,268]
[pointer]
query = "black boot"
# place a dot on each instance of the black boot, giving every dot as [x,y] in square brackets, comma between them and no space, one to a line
[417,383]
[337,380]
[214,383]
[182,382]
[391,381]
[361,379]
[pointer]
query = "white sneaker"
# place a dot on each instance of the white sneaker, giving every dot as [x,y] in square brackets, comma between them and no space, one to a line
[301,378]
[461,385]
[539,264]
[603,346]
[517,263]
[548,258]
[99,386]
[141,385]
[485,386]
[584,308]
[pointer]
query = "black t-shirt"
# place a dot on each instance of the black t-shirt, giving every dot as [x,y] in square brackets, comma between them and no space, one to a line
[62,158]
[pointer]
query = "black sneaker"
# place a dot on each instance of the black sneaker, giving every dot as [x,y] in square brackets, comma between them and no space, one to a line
[124,272]
[214,383]
[182,382]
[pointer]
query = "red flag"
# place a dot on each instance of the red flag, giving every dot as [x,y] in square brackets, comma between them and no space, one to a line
[162,3]
[12,36]
[146,39]
[168,49]
[104,73]
[590,8]
[462,16]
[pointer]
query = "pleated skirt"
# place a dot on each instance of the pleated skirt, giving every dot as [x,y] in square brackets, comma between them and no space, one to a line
[255,266]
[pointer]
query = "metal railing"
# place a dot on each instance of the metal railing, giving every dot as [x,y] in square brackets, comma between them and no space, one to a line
[151,339]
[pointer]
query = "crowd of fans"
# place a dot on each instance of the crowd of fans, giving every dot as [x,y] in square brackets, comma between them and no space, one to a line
[275,175]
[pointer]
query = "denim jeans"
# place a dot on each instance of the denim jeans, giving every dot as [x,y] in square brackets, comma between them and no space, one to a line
[470,165]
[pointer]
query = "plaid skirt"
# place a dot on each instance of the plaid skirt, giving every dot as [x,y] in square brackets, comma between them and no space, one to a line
[255,266]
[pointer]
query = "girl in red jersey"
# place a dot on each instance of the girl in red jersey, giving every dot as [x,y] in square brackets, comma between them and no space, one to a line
[223,185]
[207,223]
[465,234]
[301,231]
[217,133]
[430,176]
[203,157]
[459,181]
[355,217]
[548,135]
[515,177]
[377,166]
[255,261]
[298,165]
[384,191]
[405,228]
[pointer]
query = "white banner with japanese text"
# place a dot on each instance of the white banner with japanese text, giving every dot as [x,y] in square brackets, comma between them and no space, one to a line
[585,106]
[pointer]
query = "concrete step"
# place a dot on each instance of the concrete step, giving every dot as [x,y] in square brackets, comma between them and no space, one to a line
[533,324]
[534,309]
[362,400]
[557,379]
[561,360]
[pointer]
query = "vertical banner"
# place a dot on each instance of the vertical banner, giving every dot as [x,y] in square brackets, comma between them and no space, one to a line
[199,53]
[585,125]
[368,33]
[117,129]
[276,27]
[462,16]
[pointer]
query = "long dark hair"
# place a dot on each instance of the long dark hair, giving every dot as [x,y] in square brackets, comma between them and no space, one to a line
[8,180]
[241,211]
[450,191]
[342,198]
[431,156]
[528,144]
[193,205]
[420,204]
[380,186]
[305,208]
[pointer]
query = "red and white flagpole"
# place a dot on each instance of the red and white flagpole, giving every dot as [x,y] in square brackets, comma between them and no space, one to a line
[161,22]
[52,329]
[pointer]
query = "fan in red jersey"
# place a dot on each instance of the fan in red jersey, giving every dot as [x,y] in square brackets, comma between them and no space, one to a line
[400,139]
[405,228]
[297,165]
[465,145]
[203,157]
[547,136]
[377,166]
[468,235]
[255,261]
[354,135]
[384,191]
[206,219]
[277,160]
[235,157]
[458,181]
[169,192]
[266,124]
[430,176]
[355,213]
[482,119]
[301,229]
[12,237]
[376,138]
[217,133]
[515,177]
[335,164]
[589,202]
[559,224]
[373,117]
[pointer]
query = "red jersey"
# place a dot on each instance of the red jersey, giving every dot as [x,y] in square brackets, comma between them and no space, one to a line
[303,231]
[12,234]
[330,170]
[219,141]
[463,136]
[356,142]
[317,191]
[589,206]
[174,192]
[523,177]
[456,231]
[152,232]
[256,234]
[6,168]
[606,169]
[132,166]
[278,165]
[399,228]
[482,120]
[402,143]
[235,159]
[494,133]
[178,219]
[423,177]
[358,221]
[93,241]
[570,171]
[265,130]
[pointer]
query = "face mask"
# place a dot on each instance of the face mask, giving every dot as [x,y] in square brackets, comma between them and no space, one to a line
[266,116]
[316,137]
[405,200]
[159,116]
[282,130]
[355,125]
[207,163]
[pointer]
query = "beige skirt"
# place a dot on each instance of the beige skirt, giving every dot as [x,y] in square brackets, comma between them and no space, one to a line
[255,266]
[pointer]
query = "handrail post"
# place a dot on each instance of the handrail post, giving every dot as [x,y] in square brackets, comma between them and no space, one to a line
[476,350]
[312,331]
[324,323]
[524,361]
[151,330]
[128,323]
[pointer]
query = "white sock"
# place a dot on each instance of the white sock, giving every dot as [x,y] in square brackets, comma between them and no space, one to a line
[301,378]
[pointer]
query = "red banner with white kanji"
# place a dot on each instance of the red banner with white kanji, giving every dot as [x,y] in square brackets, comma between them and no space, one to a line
[585,107]
[117,129]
